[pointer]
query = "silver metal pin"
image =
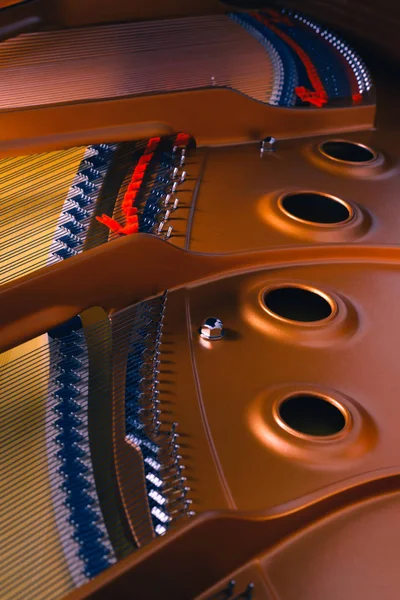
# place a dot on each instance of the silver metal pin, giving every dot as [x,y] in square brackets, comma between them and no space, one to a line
[169,232]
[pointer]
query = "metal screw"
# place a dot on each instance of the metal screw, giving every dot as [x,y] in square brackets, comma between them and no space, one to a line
[212,329]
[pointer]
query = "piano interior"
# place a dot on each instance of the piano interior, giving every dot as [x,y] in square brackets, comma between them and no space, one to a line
[199,254]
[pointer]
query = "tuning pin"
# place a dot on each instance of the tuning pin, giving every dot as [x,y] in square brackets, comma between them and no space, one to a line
[175,204]
[174,187]
[167,199]
[167,215]
[156,426]
[177,507]
[174,449]
[173,435]
[182,491]
[171,442]
[248,593]
[191,513]
[175,173]
[154,391]
[180,501]
[230,589]
[183,176]
[168,451]
[160,227]
[169,233]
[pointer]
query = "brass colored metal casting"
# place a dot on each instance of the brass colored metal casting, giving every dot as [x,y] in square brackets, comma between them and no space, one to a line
[199,283]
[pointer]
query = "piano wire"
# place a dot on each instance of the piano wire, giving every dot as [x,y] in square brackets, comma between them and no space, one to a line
[54,385]
[241,83]
[59,503]
[53,461]
[25,244]
[182,34]
[141,40]
[26,377]
[20,167]
[103,327]
[39,168]
[38,200]
[197,40]
[34,265]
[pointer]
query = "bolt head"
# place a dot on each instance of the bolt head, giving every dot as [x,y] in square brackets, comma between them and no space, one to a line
[268,144]
[212,329]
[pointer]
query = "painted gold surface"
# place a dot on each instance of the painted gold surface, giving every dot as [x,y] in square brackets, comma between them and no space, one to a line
[306,506]
[5,3]
[239,202]
[264,465]
[235,119]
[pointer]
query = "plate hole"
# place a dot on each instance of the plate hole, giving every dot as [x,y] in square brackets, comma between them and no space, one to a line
[348,152]
[297,304]
[316,208]
[312,415]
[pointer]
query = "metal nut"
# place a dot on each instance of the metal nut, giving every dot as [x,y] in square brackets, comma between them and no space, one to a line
[268,144]
[212,329]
